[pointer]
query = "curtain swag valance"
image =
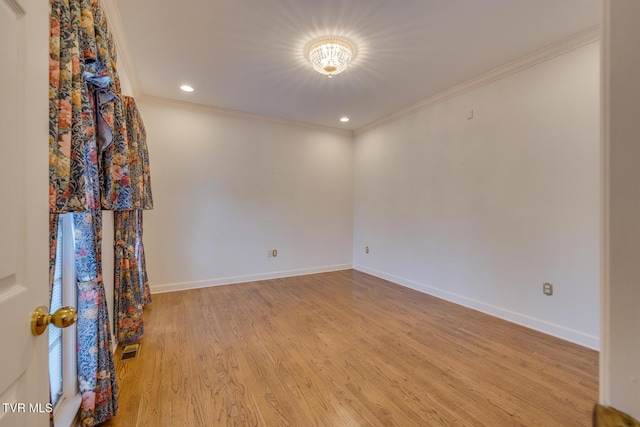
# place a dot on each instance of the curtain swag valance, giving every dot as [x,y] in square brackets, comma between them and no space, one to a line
[90,152]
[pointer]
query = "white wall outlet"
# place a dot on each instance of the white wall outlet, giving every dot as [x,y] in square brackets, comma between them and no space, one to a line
[547,288]
[274,253]
[366,249]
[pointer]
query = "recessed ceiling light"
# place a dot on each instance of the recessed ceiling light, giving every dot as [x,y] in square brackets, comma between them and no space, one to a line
[344,119]
[186,88]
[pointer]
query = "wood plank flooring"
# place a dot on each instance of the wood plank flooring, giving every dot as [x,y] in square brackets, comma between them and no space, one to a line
[346,349]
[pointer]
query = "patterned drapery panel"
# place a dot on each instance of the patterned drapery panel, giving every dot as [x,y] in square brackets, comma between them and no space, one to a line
[137,157]
[54,221]
[98,159]
[87,171]
[70,113]
[96,373]
[131,282]
[100,59]
[115,180]
[81,70]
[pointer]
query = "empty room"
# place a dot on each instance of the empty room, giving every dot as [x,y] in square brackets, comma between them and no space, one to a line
[320,212]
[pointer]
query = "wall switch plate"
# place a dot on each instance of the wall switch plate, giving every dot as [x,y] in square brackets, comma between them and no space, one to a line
[547,288]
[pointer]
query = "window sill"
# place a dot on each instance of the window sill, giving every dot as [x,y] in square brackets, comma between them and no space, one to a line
[68,412]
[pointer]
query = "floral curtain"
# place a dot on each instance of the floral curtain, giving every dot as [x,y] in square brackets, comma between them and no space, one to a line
[96,373]
[137,157]
[131,282]
[88,171]
[70,112]
[54,221]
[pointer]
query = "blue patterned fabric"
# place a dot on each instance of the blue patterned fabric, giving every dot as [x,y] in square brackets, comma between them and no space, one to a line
[90,157]
[115,180]
[96,373]
[131,283]
[87,147]
[131,292]
[137,157]
[70,114]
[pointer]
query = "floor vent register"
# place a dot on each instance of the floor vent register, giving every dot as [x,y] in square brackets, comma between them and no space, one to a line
[130,352]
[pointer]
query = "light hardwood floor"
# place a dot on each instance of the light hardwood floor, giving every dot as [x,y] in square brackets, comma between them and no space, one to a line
[346,349]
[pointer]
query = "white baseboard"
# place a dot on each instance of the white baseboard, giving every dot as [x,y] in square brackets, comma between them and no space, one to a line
[173,287]
[567,334]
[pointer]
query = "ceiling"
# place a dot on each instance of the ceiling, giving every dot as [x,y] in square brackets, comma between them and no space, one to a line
[248,55]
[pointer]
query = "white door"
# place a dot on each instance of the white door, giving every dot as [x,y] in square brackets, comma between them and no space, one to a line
[24,49]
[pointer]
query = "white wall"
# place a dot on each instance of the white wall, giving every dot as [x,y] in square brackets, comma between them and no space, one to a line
[620,358]
[228,190]
[482,212]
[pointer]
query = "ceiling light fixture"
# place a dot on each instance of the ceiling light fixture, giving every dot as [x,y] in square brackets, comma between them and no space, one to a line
[330,55]
[186,88]
[344,119]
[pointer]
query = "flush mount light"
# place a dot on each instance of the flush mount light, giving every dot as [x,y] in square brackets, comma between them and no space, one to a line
[186,88]
[330,55]
[344,119]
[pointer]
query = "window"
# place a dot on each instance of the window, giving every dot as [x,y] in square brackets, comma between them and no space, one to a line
[55,334]
[63,378]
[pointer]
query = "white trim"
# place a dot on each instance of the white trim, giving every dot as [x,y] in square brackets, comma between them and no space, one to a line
[605,248]
[66,410]
[125,61]
[543,326]
[217,111]
[125,58]
[15,7]
[67,416]
[69,298]
[173,287]
[553,50]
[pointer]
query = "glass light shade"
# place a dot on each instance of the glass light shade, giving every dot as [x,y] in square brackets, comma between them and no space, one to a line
[330,55]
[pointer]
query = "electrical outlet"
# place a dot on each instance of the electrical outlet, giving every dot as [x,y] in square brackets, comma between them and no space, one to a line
[274,253]
[547,288]
[366,249]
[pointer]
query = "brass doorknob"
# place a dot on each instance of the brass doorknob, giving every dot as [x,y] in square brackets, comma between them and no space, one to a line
[63,317]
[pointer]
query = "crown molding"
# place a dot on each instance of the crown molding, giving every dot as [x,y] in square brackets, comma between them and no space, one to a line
[553,50]
[217,111]
[125,61]
[125,58]
[15,7]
